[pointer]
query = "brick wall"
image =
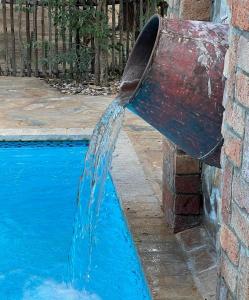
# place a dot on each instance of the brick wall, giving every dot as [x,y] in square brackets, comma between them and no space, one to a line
[234,232]
[195,10]
[190,9]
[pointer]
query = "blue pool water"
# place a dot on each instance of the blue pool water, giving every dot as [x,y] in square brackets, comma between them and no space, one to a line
[39,182]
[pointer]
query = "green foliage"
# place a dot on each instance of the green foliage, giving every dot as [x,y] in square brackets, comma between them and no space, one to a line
[77,38]
[76,27]
[80,24]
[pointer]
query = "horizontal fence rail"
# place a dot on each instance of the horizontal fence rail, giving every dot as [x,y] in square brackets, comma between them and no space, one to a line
[77,39]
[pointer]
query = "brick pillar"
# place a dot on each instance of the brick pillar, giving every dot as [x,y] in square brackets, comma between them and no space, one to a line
[234,232]
[181,173]
[181,188]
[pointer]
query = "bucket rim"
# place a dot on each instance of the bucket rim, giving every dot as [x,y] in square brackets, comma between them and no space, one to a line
[148,23]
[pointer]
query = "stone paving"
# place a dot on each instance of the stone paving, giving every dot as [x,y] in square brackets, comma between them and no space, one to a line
[201,259]
[29,104]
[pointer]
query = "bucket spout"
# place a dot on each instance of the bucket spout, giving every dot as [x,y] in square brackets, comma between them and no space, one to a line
[174,81]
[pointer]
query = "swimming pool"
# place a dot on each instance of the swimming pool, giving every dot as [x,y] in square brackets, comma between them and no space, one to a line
[39,182]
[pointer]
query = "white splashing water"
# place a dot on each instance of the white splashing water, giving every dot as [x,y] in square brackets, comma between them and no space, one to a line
[50,290]
[97,163]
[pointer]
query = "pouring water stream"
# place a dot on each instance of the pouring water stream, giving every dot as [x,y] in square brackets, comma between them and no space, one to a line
[91,188]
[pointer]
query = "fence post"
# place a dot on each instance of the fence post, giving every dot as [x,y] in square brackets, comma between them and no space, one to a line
[44,65]
[28,38]
[21,45]
[141,12]
[70,44]
[134,27]
[121,30]
[5,36]
[56,41]
[50,48]
[13,44]
[35,37]
[63,36]
[113,34]
[127,28]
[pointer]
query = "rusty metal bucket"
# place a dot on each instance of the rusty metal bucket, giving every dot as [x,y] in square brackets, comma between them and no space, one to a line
[173,80]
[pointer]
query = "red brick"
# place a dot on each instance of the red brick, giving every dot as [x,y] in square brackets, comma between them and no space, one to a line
[230,68]
[243,276]
[230,244]
[185,222]
[168,204]
[168,198]
[240,224]
[169,151]
[226,194]
[233,149]
[240,192]
[235,117]
[189,184]
[242,89]
[187,165]
[229,273]
[169,159]
[187,204]
[240,14]
[195,10]
[226,64]
[233,48]
[232,55]
[168,147]
[243,53]
[170,218]
[245,161]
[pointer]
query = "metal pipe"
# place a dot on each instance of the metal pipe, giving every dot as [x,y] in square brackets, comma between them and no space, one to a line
[173,80]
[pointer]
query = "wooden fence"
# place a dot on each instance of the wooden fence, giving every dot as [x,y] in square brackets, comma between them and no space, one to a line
[71,38]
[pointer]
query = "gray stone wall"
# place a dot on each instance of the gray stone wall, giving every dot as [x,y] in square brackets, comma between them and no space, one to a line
[211,176]
[220,11]
[211,188]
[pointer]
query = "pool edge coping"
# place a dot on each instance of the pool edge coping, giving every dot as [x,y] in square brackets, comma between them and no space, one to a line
[45,134]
